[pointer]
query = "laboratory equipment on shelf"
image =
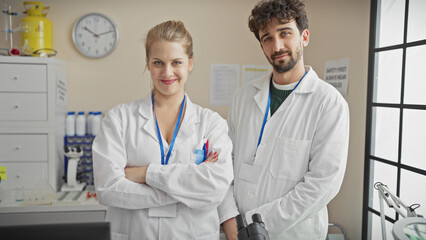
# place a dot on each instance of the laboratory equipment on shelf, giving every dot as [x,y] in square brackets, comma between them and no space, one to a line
[254,231]
[73,154]
[96,122]
[410,226]
[81,131]
[77,124]
[70,124]
[89,122]
[36,35]
[80,124]
[8,28]
[85,165]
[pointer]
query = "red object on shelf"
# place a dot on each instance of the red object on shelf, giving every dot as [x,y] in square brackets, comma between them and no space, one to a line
[14,52]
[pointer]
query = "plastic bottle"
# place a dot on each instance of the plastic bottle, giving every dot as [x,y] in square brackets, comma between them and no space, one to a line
[89,123]
[70,124]
[80,124]
[96,122]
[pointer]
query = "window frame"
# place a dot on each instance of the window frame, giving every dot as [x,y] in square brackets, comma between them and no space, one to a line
[368,157]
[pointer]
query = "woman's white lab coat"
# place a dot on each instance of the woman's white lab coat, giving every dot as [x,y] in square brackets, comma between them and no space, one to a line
[301,159]
[128,137]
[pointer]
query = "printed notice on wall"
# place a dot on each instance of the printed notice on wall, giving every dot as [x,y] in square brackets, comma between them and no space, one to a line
[337,74]
[252,72]
[61,92]
[224,79]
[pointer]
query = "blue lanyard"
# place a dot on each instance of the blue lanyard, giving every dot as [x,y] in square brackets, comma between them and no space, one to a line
[172,143]
[265,118]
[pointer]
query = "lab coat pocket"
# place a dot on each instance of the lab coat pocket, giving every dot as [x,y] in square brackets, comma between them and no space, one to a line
[118,236]
[290,159]
[199,155]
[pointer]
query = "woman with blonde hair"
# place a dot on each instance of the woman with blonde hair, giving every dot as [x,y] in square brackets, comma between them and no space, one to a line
[162,164]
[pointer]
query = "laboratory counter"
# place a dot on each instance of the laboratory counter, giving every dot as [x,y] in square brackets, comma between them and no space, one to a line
[84,210]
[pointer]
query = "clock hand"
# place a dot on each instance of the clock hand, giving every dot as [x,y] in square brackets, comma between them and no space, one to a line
[90,31]
[104,33]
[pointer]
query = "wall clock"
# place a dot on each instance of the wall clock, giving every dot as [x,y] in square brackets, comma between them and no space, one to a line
[95,35]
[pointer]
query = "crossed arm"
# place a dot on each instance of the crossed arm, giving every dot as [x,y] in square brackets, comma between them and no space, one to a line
[138,174]
[157,185]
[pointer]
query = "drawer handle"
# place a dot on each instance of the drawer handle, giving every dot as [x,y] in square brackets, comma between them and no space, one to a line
[16,106]
[16,78]
[17,148]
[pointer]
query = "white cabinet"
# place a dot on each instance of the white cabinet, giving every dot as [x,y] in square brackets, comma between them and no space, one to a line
[33,105]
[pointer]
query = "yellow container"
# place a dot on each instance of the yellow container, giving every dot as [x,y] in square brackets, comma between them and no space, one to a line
[36,35]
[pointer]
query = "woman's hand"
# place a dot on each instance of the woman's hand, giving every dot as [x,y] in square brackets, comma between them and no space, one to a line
[212,157]
[136,174]
[229,227]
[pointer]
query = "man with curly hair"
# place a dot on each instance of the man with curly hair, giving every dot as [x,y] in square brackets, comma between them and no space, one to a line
[290,132]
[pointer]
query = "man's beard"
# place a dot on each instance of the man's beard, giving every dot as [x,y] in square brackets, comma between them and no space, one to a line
[282,66]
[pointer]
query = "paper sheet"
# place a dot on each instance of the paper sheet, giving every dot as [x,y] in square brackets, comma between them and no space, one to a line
[252,72]
[337,74]
[61,92]
[224,80]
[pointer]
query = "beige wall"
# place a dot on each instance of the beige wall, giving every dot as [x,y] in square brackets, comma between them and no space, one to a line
[339,29]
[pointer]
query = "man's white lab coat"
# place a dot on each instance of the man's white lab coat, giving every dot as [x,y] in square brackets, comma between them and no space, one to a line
[301,158]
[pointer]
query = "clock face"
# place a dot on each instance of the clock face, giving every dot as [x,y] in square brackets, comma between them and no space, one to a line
[95,35]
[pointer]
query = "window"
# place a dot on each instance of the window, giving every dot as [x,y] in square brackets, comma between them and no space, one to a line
[395,150]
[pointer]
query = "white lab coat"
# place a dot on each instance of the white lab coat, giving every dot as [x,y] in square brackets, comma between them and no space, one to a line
[128,137]
[302,156]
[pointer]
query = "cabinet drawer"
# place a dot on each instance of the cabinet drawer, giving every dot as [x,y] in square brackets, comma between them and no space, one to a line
[20,106]
[23,78]
[23,148]
[26,175]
